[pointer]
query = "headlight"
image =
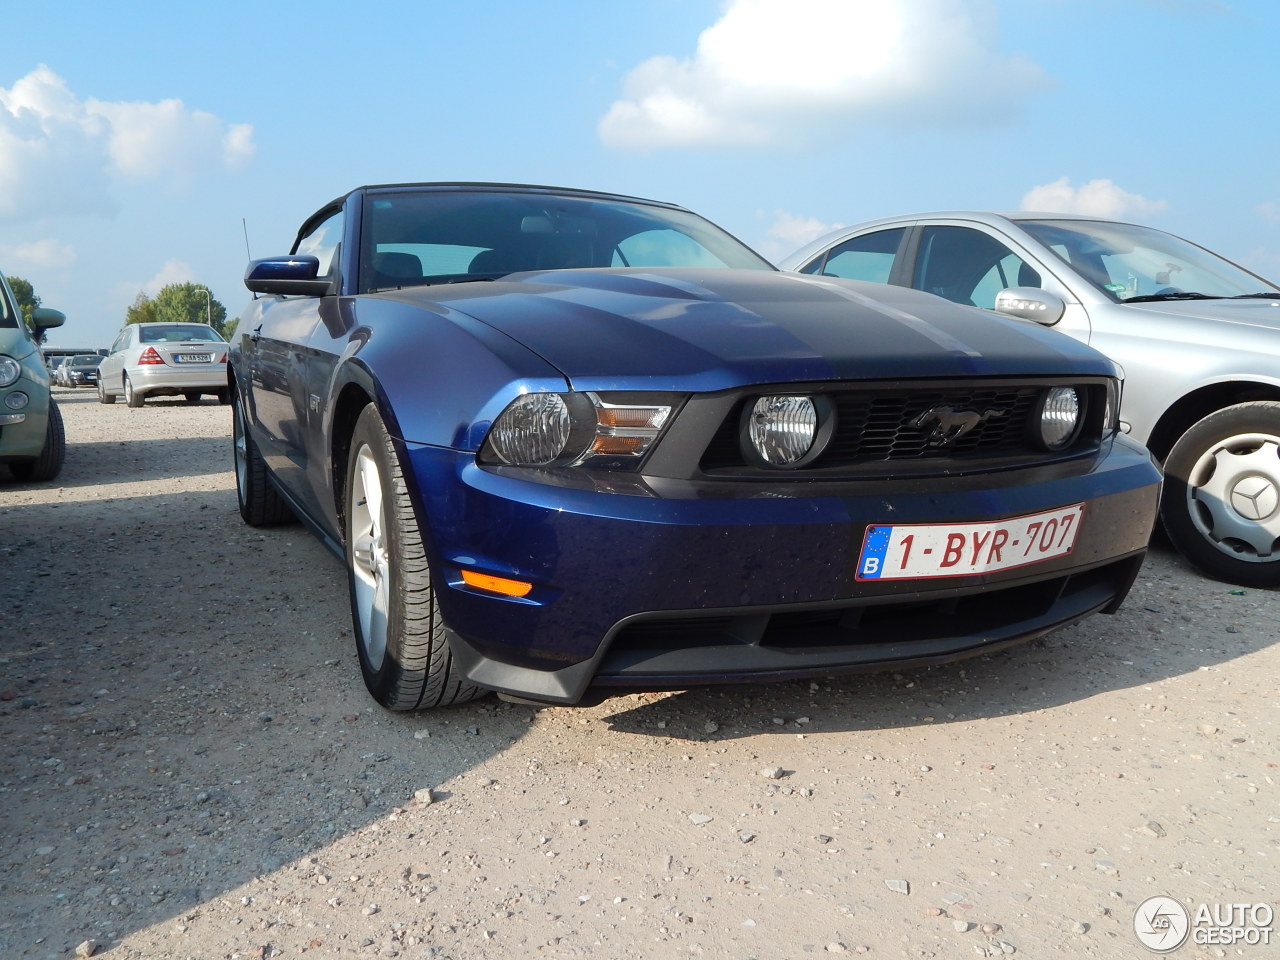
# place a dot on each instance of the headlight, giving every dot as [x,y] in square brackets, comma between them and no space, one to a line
[787,431]
[533,429]
[573,429]
[1060,420]
[1111,415]
[10,371]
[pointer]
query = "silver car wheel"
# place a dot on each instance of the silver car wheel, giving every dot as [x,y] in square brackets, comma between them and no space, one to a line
[370,564]
[240,452]
[1233,496]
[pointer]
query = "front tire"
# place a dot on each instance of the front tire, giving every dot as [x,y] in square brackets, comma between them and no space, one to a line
[131,396]
[48,464]
[260,503]
[103,396]
[400,637]
[1221,501]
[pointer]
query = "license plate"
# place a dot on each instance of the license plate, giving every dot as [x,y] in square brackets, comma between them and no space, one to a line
[925,551]
[193,358]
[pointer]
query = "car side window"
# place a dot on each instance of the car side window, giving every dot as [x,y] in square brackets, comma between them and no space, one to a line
[968,266]
[322,243]
[868,257]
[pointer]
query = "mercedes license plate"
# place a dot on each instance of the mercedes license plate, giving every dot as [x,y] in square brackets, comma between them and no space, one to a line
[925,550]
[193,357]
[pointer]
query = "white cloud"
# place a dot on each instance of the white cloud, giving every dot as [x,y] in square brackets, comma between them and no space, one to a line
[790,231]
[153,140]
[778,71]
[59,154]
[173,271]
[1099,198]
[1269,211]
[42,254]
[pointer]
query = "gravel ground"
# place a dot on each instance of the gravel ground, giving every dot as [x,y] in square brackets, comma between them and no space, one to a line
[191,767]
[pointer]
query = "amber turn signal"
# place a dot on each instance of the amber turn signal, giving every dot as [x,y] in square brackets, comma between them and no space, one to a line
[483,581]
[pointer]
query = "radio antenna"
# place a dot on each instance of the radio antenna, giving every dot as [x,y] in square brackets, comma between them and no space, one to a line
[244,226]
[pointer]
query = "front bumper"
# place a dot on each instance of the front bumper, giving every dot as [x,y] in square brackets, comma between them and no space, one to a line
[726,583]
[24,431]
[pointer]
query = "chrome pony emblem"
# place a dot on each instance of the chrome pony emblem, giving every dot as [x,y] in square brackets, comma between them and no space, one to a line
[947,425]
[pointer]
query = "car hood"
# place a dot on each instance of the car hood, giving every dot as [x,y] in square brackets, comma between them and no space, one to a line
[1253,313]
[711,329]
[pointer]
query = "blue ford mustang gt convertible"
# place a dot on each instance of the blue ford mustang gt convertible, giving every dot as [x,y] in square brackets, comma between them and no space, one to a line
[569,443]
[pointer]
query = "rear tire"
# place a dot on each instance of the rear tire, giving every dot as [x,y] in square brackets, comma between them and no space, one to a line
[48,464]
[260,503]
[400,638]
[131,396]
[191,397]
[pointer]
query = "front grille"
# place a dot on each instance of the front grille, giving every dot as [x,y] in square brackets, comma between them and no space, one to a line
[873,428]
[878,427]
[900,624]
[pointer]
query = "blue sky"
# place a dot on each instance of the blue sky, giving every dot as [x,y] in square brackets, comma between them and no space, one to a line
[137,139]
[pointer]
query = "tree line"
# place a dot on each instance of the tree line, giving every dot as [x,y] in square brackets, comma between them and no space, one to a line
[175,303]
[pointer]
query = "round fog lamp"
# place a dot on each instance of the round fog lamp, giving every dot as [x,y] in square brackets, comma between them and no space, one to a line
[532,430]
[1059,417]
[782,429]
[16,400]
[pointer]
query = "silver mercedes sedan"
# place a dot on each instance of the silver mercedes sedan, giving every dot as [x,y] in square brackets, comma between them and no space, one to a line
[1198,338]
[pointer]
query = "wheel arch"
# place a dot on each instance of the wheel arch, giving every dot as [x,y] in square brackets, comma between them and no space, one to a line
[351,399]
[1195,406]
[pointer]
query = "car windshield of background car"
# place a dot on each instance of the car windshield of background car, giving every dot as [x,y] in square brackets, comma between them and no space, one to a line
[1125,261]
[178,333]
[435,237]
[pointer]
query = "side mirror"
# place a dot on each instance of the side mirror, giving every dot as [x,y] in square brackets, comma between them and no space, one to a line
[292,276]
[43,318]
[1031,303]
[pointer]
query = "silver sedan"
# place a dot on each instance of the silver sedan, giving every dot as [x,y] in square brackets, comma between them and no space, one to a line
[164,359]
[1198,338]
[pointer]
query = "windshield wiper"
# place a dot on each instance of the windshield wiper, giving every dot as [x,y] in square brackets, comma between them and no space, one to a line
[1273,295]
[1180,295]
[440,279]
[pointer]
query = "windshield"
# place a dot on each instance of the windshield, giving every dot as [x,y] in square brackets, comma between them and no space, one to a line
[442,236]
[1128,262]
[177,333]
[86,360]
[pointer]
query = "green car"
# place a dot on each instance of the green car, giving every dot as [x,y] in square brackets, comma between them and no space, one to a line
[32,441]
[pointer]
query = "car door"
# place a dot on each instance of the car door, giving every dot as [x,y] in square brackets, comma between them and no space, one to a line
[276,353]
[971,263]
[111,371]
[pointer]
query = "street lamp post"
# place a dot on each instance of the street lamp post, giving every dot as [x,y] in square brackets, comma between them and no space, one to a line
[208,303]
